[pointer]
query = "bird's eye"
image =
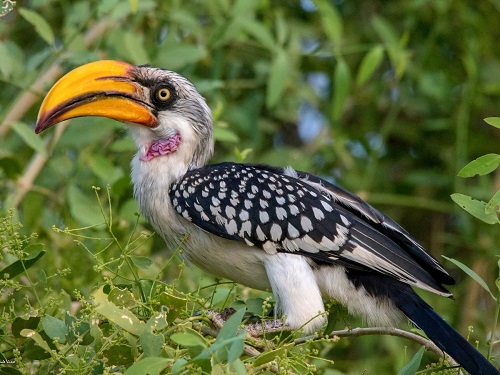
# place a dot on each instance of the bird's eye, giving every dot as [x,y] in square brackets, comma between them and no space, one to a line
[163,94]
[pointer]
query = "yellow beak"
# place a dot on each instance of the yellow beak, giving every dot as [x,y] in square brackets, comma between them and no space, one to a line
[103,88]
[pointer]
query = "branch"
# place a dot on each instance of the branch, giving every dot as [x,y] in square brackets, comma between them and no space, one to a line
[356,332]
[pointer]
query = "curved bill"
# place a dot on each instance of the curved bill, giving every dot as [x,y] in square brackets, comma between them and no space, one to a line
[104,88]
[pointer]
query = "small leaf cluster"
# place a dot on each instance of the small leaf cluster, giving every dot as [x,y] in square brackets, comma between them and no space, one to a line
[489,212]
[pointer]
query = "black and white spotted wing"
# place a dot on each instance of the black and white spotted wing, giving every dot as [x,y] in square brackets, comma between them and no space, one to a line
[263,207]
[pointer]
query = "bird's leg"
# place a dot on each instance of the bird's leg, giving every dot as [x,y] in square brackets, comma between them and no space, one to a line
[258,329]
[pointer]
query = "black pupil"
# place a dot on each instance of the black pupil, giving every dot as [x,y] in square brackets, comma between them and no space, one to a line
[163,94]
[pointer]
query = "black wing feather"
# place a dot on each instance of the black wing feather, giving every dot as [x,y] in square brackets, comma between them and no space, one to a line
[264,207]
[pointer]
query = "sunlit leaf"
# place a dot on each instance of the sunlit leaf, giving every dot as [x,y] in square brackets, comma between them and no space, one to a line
[475,208]
[493,121]
[42,27]
[133,5]
[472,274]
[493,203]
[341,88]
[117,315]
[481,166]
[141,261]
[331,20]
[412,366]
[278,77]
[371,61]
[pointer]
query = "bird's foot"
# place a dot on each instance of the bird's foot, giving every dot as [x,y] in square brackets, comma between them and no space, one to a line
[258,329]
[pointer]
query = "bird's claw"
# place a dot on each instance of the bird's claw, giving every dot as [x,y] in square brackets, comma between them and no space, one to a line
[258,329]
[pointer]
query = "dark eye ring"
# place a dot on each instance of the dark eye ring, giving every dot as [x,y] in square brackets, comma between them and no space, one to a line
[163,94]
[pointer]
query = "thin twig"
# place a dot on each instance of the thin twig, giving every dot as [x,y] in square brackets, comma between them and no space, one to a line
[30,97]
[26,101]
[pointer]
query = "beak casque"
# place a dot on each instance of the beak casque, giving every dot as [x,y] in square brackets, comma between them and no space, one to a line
[104,88]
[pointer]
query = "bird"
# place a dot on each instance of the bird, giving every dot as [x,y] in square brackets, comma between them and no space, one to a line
[266,227]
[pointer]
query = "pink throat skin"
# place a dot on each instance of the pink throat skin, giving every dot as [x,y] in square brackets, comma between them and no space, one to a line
[162,147]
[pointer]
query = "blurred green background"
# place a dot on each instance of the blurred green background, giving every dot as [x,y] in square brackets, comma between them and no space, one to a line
[385,98]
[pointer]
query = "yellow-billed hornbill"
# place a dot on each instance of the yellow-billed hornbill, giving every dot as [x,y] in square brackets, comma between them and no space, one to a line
[261,226]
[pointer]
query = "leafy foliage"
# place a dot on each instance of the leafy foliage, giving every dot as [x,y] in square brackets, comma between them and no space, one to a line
[386,99]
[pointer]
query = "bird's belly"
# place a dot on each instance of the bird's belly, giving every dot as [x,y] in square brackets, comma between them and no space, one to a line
[224,258]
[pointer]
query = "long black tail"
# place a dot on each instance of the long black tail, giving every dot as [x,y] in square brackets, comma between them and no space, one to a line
[442,334]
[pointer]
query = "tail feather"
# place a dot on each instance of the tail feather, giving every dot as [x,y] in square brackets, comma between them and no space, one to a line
[442,334]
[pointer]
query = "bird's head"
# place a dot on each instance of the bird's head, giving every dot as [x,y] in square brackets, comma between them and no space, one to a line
[163,109]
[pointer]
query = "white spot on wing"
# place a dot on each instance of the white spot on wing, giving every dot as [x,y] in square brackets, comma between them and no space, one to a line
[280,213]
[231,227]
[276,232]
[306,224]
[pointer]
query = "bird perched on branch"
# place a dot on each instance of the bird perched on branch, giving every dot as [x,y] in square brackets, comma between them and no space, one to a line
[261,226]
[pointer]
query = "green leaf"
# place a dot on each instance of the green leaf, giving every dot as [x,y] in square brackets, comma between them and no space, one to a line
[42,27]
[141,261]
[259,32]
[341,87]
[231,326]
[269,356]
[133,5]
[189,338]
[122,297]
[29,137]
[398,56]
[331,21]
[134,47]
[238,367]
[148,366]
[481,166]
[475,208]
[493,203]
[82,208]
[105,170]
[493,121]
[471,273]
[151,343]
[19,266]
[370,63]
[118,355]
[119,316]
[35,336]
[55,328]
[225,135]
[179,365]
[9,371]
[278,77]
[19,324]
[412,367]
[177,56]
